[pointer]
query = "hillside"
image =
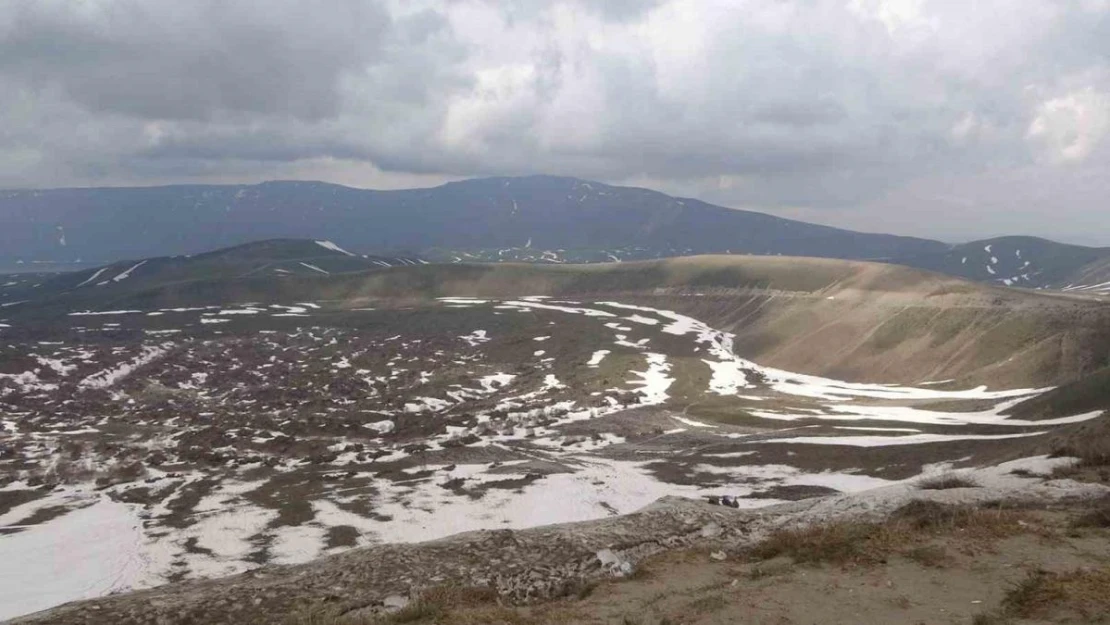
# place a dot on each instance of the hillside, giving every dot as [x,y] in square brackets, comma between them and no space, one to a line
[99,286]
[845,319]
[1020,261]
[946,555]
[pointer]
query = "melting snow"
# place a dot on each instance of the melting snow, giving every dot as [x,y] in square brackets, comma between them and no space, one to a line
[87,313]
[597,357]
[694,424]
[108,377]
[127,274]
[654,382]
[383,427]
[475,338]
[884,441]
[314,268]
[86,553]
[728,377]
[94,276]
[333,247]
[491,383]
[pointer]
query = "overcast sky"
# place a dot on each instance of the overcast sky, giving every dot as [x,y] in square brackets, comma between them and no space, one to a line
[953,119]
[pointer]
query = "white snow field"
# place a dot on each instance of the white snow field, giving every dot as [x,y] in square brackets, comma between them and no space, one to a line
[94,550]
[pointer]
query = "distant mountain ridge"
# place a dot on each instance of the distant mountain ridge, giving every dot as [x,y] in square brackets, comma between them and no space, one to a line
[530,219]
[539,212]
[1022,261]
[271,263]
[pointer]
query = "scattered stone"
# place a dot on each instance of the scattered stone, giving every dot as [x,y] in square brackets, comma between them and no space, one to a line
[394,603]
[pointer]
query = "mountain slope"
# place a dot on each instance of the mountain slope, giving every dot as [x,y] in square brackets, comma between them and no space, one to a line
[534,213]
[539,219]
[1018,261]
[272,261]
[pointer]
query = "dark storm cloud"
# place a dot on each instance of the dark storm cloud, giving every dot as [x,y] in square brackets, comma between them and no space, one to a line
[191,60]
[857,109]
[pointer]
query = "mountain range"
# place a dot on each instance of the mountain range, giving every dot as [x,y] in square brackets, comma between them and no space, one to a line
[530,219]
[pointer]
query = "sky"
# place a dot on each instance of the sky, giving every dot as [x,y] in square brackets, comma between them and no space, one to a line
[956,119]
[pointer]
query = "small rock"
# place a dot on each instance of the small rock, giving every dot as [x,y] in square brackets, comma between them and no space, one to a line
[393,603]
[607,558]
[613,563]
[718,556]
[711,530]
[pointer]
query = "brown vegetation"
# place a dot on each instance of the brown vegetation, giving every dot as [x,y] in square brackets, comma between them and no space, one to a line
[1081,595]
[905,532]
[946,481]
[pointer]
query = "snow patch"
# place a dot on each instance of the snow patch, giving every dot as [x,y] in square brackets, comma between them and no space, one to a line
[328,245]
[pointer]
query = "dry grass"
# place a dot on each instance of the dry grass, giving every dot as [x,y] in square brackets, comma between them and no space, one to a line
[906,532]
[1081,595]
[947,481]
[1091,447]
[1098,516]
[1085,470]
[836,543]
[707,605]
[449,605]
[933,556]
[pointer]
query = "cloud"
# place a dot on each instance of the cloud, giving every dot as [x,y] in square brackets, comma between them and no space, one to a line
[1070,127]
[191,60]
[831,108]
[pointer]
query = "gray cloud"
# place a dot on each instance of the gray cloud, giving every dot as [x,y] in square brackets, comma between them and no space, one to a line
[191,60]
[883,114]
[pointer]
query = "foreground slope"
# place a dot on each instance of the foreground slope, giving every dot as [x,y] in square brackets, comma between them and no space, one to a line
[211,425]
[1013,542]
